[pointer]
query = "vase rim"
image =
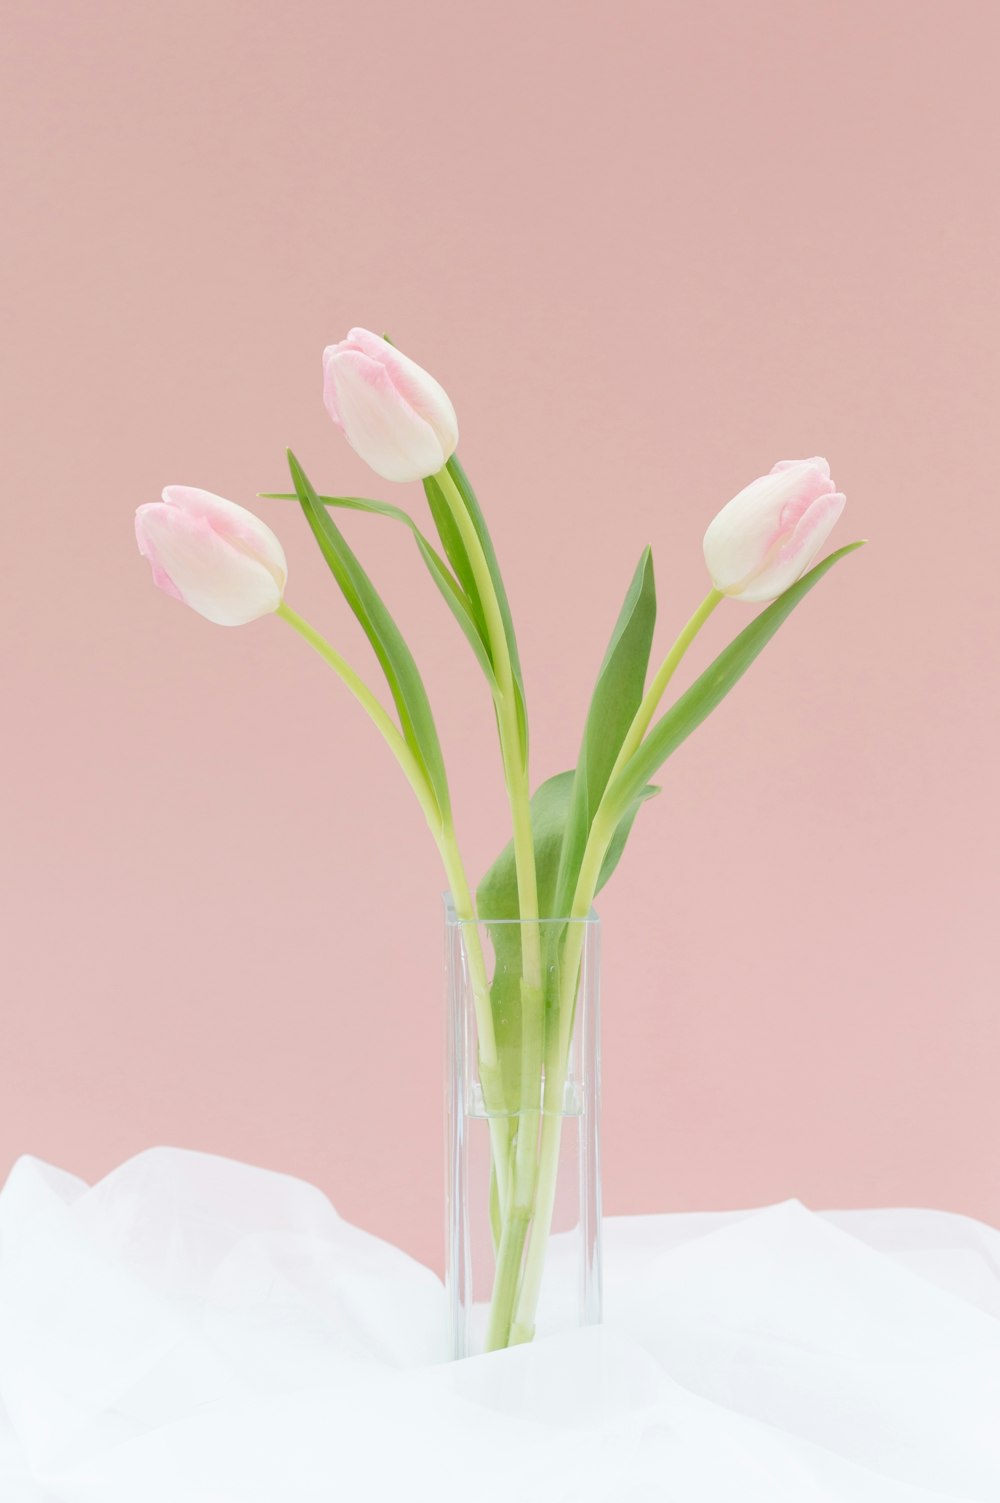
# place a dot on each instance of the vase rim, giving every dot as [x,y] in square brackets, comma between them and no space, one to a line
[452,919]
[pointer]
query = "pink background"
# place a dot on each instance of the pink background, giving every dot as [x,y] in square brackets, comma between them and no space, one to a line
[649,249]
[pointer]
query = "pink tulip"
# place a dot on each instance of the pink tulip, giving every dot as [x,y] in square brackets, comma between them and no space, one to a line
[214,555]
[765,538]
[390,411]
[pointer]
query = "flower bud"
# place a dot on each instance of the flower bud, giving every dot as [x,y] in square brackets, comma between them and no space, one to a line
[765,538]
[390,411]
[214,555]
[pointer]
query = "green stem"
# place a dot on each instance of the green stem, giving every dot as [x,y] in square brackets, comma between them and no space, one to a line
[662,677]
[390,732]
[515,765]
[524,1168]
[444,836]
[522,1321]
[490,1073]
[522,1324]
[508,1271]
[465,911]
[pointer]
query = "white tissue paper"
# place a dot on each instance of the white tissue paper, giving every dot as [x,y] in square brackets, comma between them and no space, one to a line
[191,1330]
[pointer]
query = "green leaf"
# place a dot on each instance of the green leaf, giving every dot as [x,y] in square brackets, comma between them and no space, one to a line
[459,559]
[616,698]
[455,551]
[496,897]
[401,673]
[497,901]
[698,702]
[454,595]
[623,830]
[350,503]
[459,607]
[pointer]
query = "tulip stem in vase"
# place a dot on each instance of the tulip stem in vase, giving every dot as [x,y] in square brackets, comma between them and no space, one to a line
[522,1171]
[522,1320]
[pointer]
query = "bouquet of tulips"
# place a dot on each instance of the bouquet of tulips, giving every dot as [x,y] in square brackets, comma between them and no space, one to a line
[567,835]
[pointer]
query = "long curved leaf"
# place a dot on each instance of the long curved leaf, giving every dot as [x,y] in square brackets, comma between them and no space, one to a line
[459,559]
[459,607]
[616,698]
[454,595]
[401,673]
[698,702]
[455,550]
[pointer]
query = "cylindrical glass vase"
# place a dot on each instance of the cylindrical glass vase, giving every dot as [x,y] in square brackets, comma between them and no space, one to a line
[524,1184]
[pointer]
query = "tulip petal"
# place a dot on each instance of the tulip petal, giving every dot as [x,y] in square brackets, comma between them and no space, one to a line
[817,461]
[769,534]
[415,385]
[795,552]
[240,527]
[377,421]
[213,555]
[390,410]
[738,538]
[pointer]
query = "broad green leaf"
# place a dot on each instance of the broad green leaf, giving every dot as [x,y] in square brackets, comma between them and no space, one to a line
[497,901]
[401,673]
[616,698]
[454,595]
[698,702]
[496,897]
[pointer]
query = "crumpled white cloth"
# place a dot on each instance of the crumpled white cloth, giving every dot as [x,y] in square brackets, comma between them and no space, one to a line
[192,1330]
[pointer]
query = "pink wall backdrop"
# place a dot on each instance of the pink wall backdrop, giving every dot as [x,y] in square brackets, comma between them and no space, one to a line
[649,248]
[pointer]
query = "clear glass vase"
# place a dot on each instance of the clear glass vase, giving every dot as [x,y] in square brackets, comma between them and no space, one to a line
[524,1185]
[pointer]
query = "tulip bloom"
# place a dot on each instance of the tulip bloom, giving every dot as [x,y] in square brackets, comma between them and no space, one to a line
[390,411]
[765,538]
[214,555]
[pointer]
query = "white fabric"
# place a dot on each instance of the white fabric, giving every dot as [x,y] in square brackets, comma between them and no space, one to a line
[192,1330]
